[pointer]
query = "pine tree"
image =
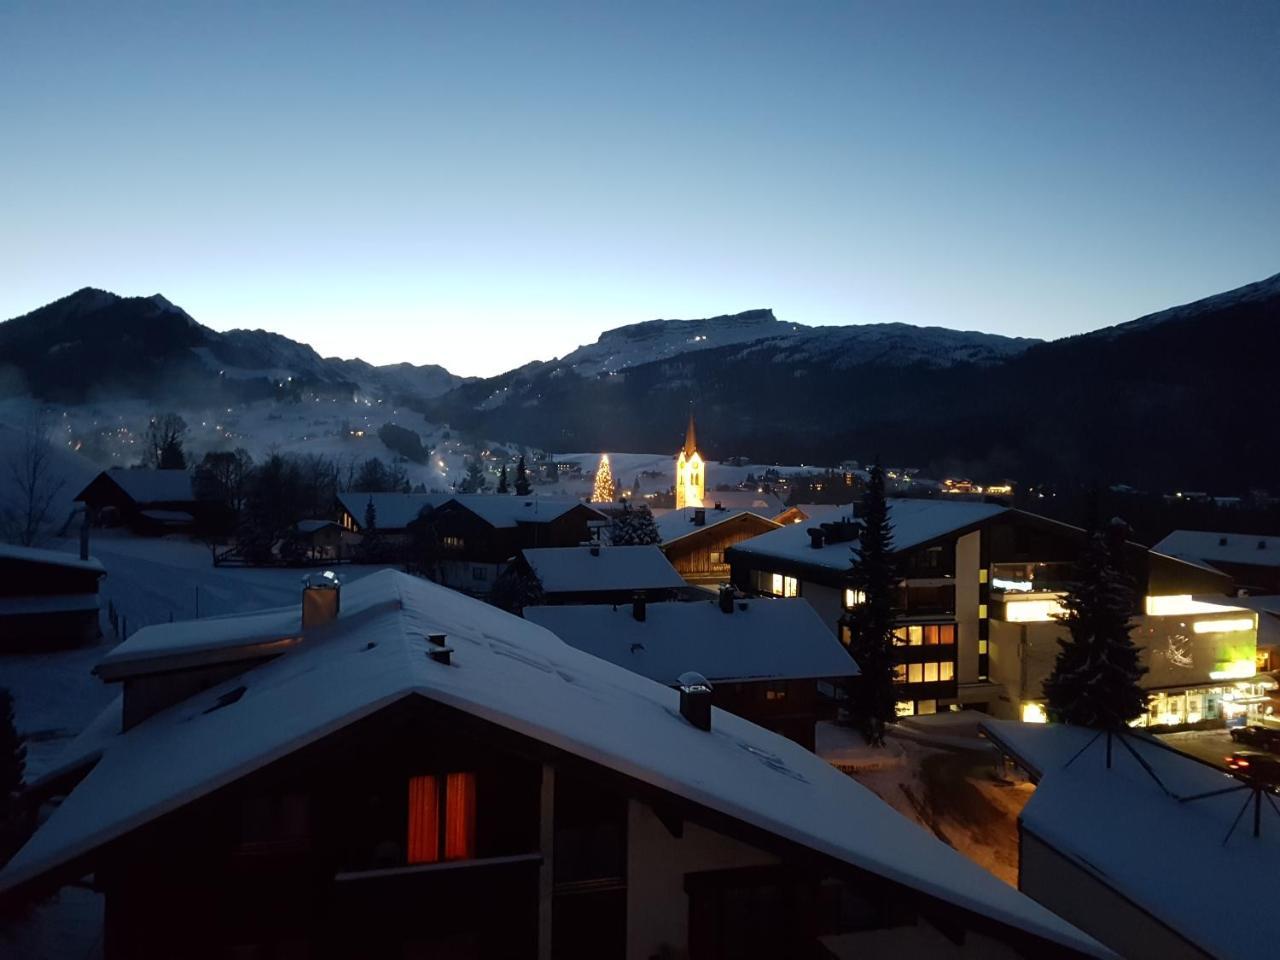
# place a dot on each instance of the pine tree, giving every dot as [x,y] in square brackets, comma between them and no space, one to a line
[474,481]
[870,623]
[603,490]
[502,480]
[13,758]
[634,527]
[523,488]
[370,516]
[1095,679]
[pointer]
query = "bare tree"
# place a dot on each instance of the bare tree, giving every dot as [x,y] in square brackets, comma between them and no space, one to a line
[163,448]
[27,514]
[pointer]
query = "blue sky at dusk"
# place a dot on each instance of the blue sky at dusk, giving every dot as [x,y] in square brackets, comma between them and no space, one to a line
[480,185]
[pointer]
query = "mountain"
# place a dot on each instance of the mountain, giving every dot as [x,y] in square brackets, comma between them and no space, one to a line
[96,345]
[1183,397]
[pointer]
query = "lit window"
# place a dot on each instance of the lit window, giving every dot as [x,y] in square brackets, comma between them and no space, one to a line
[900,673]
[479,573]
[930,673]
[1034,713]
[853,598]
[915,635]
[900,636]
[926,707]
[790,587]
[982,646]
[1033,611]
[982,575]
[455,833]
[904,708]
[915,673]
[946,670]
[947,633]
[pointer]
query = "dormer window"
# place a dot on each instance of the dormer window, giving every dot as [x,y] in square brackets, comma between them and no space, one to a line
[442,818]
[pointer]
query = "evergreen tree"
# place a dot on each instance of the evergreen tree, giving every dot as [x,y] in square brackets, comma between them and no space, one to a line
[1095,679]
[523,487]
[474,481]
[602,492]
[634,527]
[370,516]
[13,759]
[502,480]
[870,623]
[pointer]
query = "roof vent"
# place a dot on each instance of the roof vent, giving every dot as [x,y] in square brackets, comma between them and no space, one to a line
[595,549]
[700,517]
[321,593]
[1262,544]
[719,506]
[638,607]
[439,651]
[227,699]
[816,537]
[1222,541]
[695,699]
[726,598]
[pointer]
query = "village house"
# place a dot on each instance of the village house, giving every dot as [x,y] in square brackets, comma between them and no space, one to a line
[596,573]
[695,538]
[399,770]
[980,592]
[1106,840]
[150,502]
[772,662]
[1251,560]
[47,598]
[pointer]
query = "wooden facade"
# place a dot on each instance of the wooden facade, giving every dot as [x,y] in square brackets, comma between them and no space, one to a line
[699,556]
[47,600]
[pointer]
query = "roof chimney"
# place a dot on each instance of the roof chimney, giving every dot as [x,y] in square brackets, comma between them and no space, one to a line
[726,598]
[595,548]
[719,506]
[439,650]
[816,537]
[321,593]
[695,699]
[638,607]
[700,517]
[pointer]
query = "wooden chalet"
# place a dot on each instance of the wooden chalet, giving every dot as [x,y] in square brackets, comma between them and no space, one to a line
[150,502]
[600,573]
[47,598]
[695,538]
[403,771]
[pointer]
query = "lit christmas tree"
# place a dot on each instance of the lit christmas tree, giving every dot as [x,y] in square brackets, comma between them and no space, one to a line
[603,492]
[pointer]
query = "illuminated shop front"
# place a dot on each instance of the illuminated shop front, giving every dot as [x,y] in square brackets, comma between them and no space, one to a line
[1233,703]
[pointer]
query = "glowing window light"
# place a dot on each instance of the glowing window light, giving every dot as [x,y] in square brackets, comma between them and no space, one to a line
[1013,586]
[1034,713]
[1182,605]
[1235,625]
[1033,611]
[1235,670]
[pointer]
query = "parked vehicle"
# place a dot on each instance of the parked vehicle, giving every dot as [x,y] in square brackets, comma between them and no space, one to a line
[1264,738]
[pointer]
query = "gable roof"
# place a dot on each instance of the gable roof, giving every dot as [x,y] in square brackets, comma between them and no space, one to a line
[915,522]
[50,558]
[148,486]
[515,674]
[394,511]
[1206,546]
[1123,828]
[578,570]
[760,640]
[674,525]
[499,510]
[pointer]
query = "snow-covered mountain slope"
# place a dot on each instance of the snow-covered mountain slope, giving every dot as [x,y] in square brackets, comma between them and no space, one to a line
[895,343]
[1258,292]
[148,347]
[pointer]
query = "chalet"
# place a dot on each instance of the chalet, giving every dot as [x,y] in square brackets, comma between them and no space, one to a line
[980,591]
[1106,839]
[414,773]
[765,659]
[47,598]
[393,512]
[695,538]
[1251,560]
[477,536]
[595,573]
[152,502]
[323,540]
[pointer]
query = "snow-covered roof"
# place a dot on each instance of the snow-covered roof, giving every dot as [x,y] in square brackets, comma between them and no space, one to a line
[501,510]
[759,640]
[1120,826]
[394,511]
[168,516]
[675,524]
[766,504]
[154,486]
[1252,549]
[313,526]
[53,558]
[207,640]
[577,569]
[515,674]
[914,522]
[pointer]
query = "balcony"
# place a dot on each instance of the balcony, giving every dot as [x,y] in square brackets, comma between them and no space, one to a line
[1012,579]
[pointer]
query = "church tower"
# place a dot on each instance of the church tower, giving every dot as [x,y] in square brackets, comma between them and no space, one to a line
[690,478]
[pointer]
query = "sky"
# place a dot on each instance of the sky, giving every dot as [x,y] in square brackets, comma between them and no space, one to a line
[480,184]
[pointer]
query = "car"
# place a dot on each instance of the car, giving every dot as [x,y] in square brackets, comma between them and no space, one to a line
[1254,736]
[1254,766]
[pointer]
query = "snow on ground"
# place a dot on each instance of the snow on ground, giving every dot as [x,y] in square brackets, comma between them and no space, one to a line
[148,581]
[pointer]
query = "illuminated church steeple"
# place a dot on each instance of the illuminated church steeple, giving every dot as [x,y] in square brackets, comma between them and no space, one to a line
[690,474]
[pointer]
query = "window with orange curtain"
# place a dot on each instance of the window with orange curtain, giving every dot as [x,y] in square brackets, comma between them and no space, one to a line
[424,820]
[442,818]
